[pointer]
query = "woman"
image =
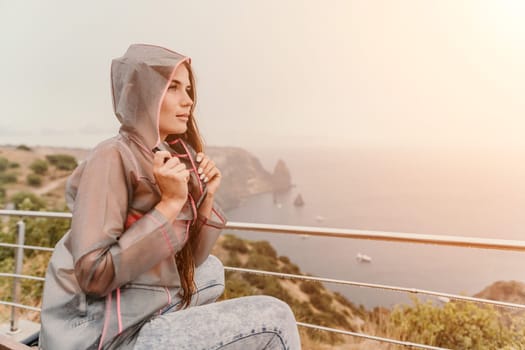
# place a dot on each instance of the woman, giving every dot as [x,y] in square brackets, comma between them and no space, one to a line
[134,271]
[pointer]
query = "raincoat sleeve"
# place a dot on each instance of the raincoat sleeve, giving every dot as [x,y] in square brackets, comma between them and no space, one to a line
[106,255]
[210,230]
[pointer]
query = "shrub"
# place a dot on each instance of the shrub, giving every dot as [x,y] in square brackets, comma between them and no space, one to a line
[236,286]
[2,193]
[27,201]
[4,163]
[291,268]
[6,178]
[34,180]
[264,248]
[62,161]
[261,262]
[39,166]
[321,302]
[311,287]
[455,325]
[23,148]
[233,260]
[235,244]
[284,259]
[14,165]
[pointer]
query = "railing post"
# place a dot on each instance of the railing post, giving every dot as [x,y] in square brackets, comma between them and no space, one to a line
[19,260]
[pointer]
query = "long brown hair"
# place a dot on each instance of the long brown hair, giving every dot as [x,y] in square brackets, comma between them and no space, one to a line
[184,258]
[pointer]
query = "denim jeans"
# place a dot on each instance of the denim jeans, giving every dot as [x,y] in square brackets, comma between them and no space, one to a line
[254,322]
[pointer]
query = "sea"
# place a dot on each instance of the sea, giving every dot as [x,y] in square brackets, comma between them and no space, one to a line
[470,192]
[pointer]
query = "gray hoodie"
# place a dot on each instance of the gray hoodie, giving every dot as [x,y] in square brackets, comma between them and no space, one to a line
[115,267]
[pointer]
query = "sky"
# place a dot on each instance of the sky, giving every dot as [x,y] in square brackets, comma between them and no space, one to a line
[277,73]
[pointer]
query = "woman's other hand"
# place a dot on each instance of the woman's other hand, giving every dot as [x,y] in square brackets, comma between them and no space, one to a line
[172,178]
[208,172]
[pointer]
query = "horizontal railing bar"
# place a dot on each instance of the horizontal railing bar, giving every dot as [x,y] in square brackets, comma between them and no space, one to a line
[371,337]
[27,277]
[32,247]
[22,306]
[378,286]
[41,214]
[458,241]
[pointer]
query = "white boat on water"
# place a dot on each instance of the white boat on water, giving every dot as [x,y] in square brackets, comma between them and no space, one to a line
[444,300]
[363,258]
[319,218]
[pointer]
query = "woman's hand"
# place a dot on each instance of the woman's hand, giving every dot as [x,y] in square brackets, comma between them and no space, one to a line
[172,178]
[208,172]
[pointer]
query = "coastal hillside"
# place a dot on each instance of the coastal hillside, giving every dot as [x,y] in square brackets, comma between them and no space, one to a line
[510,291]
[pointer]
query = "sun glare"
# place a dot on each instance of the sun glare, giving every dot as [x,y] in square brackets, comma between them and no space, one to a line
[506,17]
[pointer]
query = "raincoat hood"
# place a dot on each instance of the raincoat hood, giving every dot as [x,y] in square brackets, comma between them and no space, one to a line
[139,81]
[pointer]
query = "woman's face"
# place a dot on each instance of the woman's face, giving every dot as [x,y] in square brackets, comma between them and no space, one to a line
[176,106]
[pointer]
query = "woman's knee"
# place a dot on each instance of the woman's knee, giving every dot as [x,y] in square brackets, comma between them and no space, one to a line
[278,317]
[277,308]
[209,279]
[210,271]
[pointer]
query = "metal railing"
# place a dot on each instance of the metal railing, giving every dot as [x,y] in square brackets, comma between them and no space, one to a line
[456,241]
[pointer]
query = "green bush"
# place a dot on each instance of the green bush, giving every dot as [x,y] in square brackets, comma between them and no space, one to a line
[233,260]
[290,268]
[311,287]
[264,248]
[2,193]
[261,262]
[6,178]
[457,325]
[23,148]
[39,166]
[34,180]
[62,161]
[14,165]
[321,302]
[284,259]
[236,286]
[235,244]
[27,201]
[4,163]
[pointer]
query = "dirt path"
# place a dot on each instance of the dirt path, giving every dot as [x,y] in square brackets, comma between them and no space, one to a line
[50,186]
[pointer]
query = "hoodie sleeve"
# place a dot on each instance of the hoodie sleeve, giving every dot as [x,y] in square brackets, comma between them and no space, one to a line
[105,254]
[210,230]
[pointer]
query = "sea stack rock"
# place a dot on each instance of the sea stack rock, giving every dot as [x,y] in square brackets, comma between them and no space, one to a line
[243,176]
[282,180]
[298,202]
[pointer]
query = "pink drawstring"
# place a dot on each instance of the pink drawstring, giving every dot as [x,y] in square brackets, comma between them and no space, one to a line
[192,163]
[218,215]
[106,321]
[169,295]
[119,316]
[193,207]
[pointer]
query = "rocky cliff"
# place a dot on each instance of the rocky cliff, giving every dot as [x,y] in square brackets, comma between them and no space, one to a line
[244,176]
[509,291]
